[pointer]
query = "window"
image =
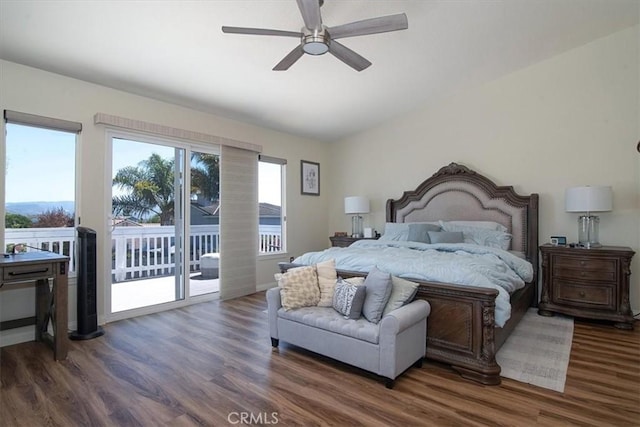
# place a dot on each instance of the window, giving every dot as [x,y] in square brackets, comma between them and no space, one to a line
[272,214]
[40,181]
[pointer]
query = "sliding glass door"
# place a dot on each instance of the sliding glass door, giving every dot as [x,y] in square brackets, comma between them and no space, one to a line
[204,224]
[163,224]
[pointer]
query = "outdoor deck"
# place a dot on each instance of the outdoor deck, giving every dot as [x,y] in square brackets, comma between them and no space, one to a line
[157,290]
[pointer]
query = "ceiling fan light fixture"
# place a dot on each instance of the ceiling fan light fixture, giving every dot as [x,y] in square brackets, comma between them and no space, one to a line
[315,44]
[317,39]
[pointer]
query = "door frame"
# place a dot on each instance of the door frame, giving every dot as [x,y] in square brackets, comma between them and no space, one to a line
[188,146]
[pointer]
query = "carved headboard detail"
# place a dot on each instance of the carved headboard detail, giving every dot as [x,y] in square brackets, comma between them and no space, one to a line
[457,193]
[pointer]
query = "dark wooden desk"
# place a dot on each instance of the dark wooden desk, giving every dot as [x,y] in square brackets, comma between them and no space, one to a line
[51,302]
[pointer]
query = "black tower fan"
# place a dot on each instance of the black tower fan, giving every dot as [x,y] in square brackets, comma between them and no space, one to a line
[87,280]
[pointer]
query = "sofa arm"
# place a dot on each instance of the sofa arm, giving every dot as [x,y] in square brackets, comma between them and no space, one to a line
[401,318]
[273,305]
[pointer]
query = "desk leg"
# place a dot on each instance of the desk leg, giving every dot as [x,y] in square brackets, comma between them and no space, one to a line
[42,308]
[61,321]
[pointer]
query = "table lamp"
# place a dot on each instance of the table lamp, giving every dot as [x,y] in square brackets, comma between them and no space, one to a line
[588,199]
[356,205]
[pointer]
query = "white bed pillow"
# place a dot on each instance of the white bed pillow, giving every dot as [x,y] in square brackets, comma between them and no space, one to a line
[477,224]
[481,236]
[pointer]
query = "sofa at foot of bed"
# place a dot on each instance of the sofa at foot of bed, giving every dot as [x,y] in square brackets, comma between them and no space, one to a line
[387,348]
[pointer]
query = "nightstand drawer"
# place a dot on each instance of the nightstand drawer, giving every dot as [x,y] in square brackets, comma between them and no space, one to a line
[584,263]
[589,283]
[591,275]
[588,296]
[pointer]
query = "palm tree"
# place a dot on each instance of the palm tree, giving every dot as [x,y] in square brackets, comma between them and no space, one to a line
[150,189]
[205,175]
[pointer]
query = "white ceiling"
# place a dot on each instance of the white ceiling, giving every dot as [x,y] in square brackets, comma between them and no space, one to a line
[175,51]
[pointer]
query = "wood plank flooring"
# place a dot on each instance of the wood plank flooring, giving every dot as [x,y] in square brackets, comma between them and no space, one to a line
[212,364]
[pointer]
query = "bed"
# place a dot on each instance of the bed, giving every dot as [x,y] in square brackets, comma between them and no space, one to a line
[462,329]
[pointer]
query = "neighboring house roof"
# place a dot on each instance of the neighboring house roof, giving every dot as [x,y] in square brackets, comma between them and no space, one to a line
[125,222]
[267,209]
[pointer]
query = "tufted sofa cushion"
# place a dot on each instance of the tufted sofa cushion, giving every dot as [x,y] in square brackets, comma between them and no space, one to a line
[328,319]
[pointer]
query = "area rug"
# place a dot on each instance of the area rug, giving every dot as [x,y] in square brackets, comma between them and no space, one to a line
[537,351]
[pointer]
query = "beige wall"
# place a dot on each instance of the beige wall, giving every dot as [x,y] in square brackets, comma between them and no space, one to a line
[37,92]
[568,121]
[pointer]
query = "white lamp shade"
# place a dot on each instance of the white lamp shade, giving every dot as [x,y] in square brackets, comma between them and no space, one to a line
[588,199]
[356,205]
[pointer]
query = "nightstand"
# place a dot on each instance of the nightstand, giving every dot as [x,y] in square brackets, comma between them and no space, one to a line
[588,283]
[344,241]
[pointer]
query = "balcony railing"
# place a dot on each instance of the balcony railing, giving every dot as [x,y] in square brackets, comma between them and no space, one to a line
[139,252]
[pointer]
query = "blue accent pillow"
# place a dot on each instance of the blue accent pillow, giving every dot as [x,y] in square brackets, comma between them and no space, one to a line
[378,289]
[420,232]
[446,236]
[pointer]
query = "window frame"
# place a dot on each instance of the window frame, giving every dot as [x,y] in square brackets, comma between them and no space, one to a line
[283,214]
[52,124]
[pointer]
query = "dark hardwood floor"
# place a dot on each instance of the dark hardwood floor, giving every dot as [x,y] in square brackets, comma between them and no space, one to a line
[212,364]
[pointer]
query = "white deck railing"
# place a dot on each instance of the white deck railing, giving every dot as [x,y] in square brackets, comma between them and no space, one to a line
[139,252]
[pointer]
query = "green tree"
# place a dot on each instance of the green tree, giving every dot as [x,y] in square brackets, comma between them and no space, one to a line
[150,189]
[12,220]
[205,175]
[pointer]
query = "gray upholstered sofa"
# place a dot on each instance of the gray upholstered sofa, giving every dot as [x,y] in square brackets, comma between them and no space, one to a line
[387,348]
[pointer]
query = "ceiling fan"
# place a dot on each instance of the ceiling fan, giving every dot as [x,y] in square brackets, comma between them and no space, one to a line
[318,39]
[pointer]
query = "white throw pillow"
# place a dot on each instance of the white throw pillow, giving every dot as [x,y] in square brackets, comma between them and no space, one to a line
[327,277]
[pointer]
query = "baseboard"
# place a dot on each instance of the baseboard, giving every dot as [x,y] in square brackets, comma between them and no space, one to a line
[17,335]
[265,286]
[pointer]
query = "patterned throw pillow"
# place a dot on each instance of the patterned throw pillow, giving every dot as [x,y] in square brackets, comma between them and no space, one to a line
[327,281]
[348,299]
[299,287]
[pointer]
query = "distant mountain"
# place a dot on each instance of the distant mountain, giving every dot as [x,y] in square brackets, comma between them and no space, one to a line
[35,208]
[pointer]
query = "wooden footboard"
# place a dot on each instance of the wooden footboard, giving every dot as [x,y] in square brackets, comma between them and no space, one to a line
[461,328]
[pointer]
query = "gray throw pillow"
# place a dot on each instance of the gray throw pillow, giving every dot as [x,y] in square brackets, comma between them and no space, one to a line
[403,291]
[378,286]
[446,237]
[348,299]
[420,232]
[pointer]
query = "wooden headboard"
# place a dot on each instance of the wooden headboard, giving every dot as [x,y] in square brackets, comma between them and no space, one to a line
[456,193]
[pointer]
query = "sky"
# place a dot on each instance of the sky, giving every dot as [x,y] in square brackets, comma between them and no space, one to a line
[35,155]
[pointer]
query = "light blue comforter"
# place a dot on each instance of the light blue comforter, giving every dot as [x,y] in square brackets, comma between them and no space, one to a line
[457,263]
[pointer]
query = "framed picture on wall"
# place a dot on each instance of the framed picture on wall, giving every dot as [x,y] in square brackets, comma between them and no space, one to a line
[310,178]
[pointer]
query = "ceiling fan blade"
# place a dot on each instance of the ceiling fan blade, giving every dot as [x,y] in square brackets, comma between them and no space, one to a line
[310,10]
[381,24]
[348,56]
[260,31]
[290,59]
